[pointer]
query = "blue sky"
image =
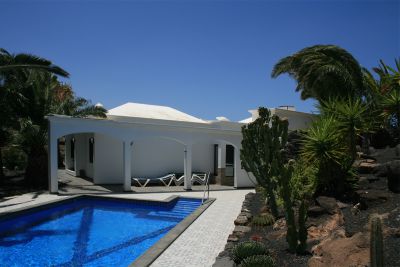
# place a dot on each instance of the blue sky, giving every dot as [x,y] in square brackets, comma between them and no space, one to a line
[206,58]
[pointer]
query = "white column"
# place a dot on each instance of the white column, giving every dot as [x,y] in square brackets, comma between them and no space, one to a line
[221,155]
[187,165]
[237,166]
[52,162]
[127,165]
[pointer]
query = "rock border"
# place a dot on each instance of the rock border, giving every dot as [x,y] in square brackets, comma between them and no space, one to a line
[242,226]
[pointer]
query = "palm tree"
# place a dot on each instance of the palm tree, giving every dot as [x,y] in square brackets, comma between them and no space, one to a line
[12,62]
[384,94]
[10,97]
[65,102]
[323,72]
[42,97]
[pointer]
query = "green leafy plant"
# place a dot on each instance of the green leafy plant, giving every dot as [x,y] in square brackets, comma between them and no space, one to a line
[261,153]
[247,249]
[258,261]
[376,247]
[263,220]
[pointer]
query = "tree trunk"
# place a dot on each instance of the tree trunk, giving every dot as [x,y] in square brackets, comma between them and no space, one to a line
[36,170]
[2,176]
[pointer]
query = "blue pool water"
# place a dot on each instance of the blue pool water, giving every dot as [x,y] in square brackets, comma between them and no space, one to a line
[89,232]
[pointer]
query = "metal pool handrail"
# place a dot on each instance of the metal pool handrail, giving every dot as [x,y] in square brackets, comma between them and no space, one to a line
[206,188]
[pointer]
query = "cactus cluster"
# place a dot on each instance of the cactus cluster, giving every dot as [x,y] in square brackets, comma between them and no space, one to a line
[263,220]
[258,261]
[261,153]
[244,250]
[376,246]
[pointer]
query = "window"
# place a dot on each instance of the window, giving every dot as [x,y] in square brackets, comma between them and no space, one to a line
[72,142]
[230,161]
[91,149]
[215,159]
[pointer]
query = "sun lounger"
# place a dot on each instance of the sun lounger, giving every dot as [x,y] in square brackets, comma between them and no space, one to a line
[199,178]
[165,180]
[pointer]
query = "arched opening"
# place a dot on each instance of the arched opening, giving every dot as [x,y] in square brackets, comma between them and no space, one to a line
[87,159]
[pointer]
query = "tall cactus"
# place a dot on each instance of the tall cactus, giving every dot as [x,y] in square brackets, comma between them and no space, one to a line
[285,193]
[295,236]
[262,154]
[263,141]
[302,233]
[376,247]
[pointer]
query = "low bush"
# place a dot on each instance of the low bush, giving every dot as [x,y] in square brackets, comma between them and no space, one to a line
[258,261]
[246,249]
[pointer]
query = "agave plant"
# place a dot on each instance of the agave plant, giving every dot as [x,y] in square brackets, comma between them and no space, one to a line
[353,117]
[323,148]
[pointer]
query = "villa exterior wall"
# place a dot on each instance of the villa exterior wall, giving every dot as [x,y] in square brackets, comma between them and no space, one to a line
[108,160]
[156,158]
[113,165]
[203,157]
[297,120]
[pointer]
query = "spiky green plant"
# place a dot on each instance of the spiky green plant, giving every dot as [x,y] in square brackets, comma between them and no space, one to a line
[324,148]
[376,247]
[353,117]
[263,220]
[247,249]
[258,261]
[261,152]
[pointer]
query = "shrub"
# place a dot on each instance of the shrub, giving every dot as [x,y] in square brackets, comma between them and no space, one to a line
[258,261]
[263,220]
[246,249]
[14,158]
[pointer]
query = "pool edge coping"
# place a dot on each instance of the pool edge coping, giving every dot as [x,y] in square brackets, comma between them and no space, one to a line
[151,254]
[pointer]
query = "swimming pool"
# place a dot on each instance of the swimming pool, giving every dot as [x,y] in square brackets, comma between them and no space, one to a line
[89,231]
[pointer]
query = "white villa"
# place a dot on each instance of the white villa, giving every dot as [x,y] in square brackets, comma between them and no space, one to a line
[138,140]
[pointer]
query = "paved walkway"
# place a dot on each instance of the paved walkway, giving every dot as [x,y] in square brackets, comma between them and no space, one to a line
[199,245]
